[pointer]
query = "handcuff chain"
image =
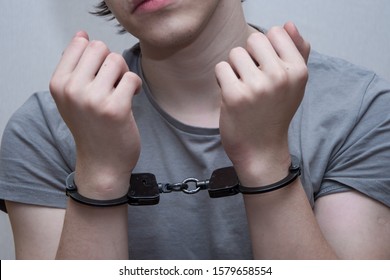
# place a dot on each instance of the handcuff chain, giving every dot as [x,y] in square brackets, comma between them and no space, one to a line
[184,186]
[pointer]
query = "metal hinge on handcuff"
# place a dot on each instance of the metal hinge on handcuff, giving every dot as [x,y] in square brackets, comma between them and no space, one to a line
[144,189]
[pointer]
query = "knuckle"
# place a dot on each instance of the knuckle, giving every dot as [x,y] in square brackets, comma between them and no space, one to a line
[221,65]
[55,85]
[254,38]
[239,96]
[91,104]
[79,42]
[257,86]
[303,73]
[218,69]
[71,86]
[97,44]
[279,77]
[111,112]
[71,89]
[275,30]
[99,47]
[235,53]
[115,58]
[274,33]
[132,78]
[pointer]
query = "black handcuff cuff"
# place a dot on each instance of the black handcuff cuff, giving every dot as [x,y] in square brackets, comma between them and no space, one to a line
[144,189]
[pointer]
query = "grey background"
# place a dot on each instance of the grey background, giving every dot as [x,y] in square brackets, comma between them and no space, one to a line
[34,33]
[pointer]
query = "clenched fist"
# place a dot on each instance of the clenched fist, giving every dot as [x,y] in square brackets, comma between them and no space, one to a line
[93,90]
[262,87]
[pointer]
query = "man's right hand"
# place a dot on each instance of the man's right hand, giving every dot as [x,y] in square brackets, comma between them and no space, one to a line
[93,89]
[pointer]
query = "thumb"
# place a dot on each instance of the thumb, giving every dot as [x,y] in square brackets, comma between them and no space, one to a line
[302,45]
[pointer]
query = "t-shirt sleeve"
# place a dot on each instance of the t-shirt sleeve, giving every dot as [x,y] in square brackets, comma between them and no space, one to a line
[363,160]
[36,154]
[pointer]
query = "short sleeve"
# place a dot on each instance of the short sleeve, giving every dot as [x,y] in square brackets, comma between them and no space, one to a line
[37,153]
[363,160]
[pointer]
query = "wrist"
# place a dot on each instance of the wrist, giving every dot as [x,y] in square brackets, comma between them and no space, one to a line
[294,171]
[263,170]
[72,192]
[100,183]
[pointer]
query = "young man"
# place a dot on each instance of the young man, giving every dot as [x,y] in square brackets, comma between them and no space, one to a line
[213,91]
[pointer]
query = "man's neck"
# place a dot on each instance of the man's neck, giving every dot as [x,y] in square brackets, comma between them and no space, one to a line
[183,81]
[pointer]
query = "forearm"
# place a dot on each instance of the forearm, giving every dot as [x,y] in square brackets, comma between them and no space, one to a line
[93,90]
[283,226]
[262,87]
[94,233]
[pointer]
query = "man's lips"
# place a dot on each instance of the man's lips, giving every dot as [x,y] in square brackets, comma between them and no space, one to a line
[149,5]
[137,3]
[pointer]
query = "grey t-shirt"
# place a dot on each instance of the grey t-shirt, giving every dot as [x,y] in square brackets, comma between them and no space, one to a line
[341,134]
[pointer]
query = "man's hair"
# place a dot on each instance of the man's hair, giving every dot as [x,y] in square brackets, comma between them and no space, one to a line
[102,10]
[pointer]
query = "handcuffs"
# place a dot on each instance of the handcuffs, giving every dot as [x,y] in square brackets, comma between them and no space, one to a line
[144,189]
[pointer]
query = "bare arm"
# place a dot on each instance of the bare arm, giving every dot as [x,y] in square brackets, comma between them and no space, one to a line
[36,230]
[262,87]
[283,226]
[355,226]
[94,233]
[93,91]
[345,225]
[88,233]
